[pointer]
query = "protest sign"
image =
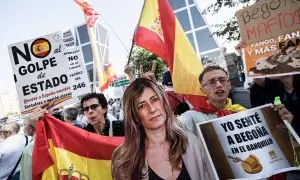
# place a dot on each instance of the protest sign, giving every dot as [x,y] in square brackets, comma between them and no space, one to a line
[273,57]
[78,75]
[68,39]
[266,19]
[251,144]
[40,71]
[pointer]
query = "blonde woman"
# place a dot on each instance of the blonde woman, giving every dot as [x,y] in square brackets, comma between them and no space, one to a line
[155,146]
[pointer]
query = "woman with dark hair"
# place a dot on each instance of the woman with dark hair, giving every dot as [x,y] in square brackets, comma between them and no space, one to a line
[156,146]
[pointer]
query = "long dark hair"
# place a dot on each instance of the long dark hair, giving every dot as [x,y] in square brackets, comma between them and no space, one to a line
[128,160]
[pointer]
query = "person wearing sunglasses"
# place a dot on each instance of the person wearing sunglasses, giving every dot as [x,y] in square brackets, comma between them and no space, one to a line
[94,107]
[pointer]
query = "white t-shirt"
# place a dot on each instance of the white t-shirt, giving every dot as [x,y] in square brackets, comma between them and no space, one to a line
[10,152]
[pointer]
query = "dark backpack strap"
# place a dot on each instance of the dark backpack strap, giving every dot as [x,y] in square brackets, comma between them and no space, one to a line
[14,169]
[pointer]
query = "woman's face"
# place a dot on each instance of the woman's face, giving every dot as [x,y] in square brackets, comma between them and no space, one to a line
[151,110]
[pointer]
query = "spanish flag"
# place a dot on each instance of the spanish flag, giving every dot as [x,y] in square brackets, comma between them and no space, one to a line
[109,75]
[160,32]
[63,151]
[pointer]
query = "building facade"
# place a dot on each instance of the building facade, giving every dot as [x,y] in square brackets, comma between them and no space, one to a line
[8,104]
[196,29]
[102,42]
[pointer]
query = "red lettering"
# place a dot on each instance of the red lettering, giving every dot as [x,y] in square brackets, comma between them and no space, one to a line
[285,20]
[250,33]
[262,28]
[271,22]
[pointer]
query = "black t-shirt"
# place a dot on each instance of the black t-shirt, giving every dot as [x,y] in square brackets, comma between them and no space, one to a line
[117,128]
[184,175]
[263,95]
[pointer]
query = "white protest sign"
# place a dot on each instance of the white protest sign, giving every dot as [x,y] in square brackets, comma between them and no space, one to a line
[78,75]
[68,39]
[249,144]
[40,71]
[248,135]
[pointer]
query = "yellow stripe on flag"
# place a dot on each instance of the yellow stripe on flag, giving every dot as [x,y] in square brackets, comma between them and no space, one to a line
[40,48]
[81,166]
[186,66]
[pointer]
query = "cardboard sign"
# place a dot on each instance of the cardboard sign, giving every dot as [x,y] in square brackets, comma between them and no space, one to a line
[40,71]
[266,19]
[251,144]
[273,57]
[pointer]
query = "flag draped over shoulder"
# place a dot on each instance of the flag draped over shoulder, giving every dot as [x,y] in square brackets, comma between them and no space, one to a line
[63,151]
[228,109]
[109,75]
[160,32]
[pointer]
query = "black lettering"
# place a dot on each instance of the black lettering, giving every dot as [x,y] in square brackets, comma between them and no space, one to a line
[41,85]
[230,140]
[265,11]
[257,118]
[249,135]
[16,52]
[25,90]
[33,88]
[48,83]
[63,79]
[31,68]
[22,70]
[52,62]
[246,17]
[275,4]
[238,124]
[238,138]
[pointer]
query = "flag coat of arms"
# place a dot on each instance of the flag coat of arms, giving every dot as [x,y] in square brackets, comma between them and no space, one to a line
[63,151]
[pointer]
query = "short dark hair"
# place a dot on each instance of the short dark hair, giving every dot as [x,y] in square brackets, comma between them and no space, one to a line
[71,113]
[101,98]
[210,68]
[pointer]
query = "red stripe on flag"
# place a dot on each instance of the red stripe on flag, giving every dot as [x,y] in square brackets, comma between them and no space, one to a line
[70,138]
[149,40]
[168,25]
[75,140]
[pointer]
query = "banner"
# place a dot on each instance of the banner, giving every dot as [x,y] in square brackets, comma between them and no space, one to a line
[40,71]
[273,57]
[267,19]
[250,144]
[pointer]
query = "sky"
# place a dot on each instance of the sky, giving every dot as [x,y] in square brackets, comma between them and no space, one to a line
[23,20]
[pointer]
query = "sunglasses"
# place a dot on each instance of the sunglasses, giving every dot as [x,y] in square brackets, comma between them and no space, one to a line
[93,107]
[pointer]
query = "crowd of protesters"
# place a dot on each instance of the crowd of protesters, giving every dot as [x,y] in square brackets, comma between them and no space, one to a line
[155,118]
[159,125]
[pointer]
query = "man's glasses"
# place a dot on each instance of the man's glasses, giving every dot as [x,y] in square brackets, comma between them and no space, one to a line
[213,82]
[93,107]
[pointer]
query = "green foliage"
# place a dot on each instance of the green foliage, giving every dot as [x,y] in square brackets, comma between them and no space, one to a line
[143,57]
[229,29]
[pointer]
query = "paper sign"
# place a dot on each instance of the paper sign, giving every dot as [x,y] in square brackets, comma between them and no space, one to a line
[273,57]
[251,144]
[40,71]
[266,19]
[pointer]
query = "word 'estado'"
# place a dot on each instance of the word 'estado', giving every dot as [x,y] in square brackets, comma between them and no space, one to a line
[44,85]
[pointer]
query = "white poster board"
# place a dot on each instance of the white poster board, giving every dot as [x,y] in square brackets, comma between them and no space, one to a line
[40,71]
